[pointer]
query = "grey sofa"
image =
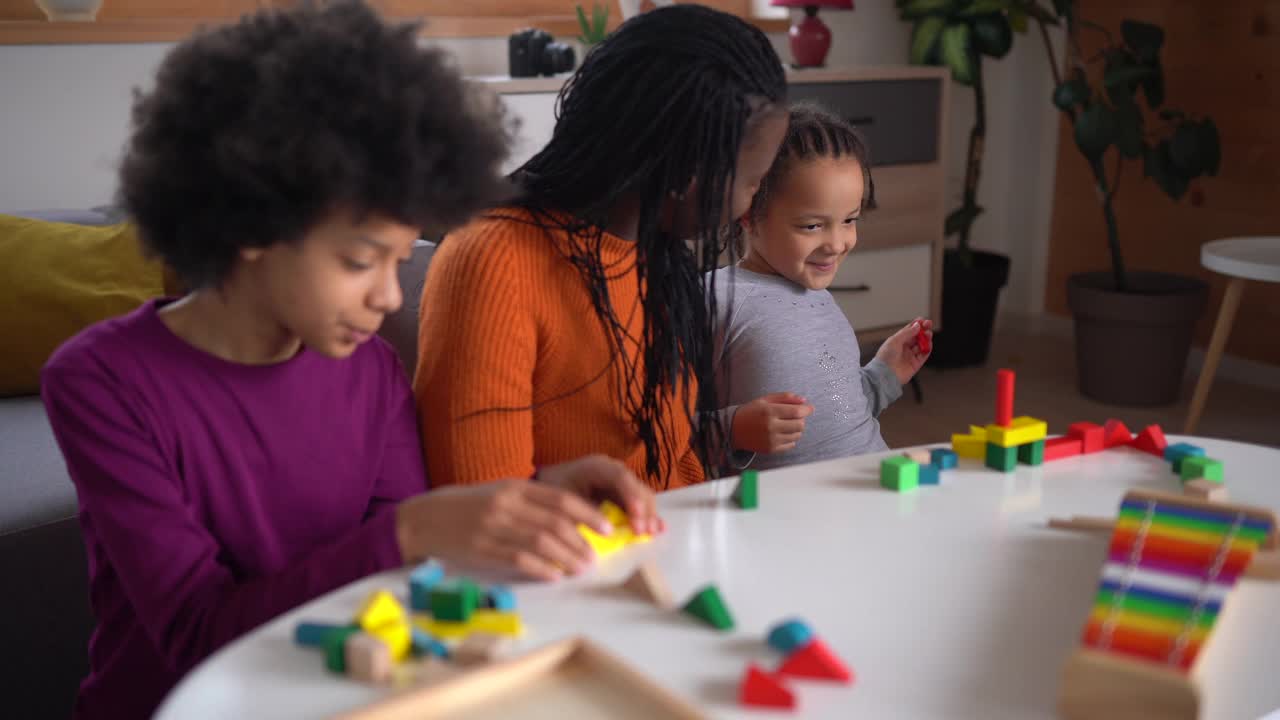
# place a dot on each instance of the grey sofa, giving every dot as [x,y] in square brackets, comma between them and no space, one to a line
[45,619]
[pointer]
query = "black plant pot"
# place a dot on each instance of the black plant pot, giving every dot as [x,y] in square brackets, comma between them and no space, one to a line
[1131,347]
[969,299]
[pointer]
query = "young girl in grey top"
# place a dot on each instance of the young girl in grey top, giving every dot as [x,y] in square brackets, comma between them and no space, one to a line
[791,374]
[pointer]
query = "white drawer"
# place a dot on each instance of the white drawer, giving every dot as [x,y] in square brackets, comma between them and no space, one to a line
[536,113]
[884,288]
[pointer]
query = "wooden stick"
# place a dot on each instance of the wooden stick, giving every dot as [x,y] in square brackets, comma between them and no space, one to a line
[1083,523]
[1221,329]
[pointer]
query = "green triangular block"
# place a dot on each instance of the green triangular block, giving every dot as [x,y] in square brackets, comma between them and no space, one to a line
[708,606]
[747,494]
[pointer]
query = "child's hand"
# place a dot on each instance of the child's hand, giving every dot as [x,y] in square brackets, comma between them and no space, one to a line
[530,527]
[771,424]
[906,351]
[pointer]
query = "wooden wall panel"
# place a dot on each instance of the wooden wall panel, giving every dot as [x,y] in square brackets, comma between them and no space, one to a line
[1221,59]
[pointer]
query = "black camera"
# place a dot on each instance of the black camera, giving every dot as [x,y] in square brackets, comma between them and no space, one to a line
[533,52]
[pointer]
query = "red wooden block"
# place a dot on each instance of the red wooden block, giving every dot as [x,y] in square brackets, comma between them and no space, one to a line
[816,660]
[1062,447]
[1151,440]
[1004,397]
[922,339]
[760,689]
[1090,435]
[1116,434]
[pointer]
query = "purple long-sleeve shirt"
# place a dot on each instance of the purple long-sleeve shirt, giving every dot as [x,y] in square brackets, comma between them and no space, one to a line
[215,496]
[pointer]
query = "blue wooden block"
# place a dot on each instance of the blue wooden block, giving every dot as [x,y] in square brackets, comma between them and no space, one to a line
[423,578]
[789,635]
[929,474]
[312,634]
[1176,452]
[424,644]
[944,459]
[500,598]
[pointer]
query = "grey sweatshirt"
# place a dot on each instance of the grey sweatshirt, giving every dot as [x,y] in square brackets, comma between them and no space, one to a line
[776,336]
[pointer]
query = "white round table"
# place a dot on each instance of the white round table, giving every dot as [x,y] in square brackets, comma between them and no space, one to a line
[1241,259]
[954,601]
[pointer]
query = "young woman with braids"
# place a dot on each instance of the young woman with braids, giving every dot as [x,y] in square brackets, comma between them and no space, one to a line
[576,319]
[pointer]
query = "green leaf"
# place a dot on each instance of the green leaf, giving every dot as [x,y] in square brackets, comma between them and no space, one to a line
[1153,85]
[957,54]
[1125,75]
[915,9]
[984,7]
[1160,167]
[1211,146]
[992,35]
[1018,19]
[1069,94]
[582,23]
[1144,39]
[1095,130]
[924,40]
[961,218]
[1185,149]
[1129,130]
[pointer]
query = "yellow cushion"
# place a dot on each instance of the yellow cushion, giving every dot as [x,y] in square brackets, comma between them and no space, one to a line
[55,280]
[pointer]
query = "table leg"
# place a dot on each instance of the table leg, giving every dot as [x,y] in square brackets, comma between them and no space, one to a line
[1226,315]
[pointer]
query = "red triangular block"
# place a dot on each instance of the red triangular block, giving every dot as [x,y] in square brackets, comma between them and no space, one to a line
[1116,434]
[1062,447]
[816,660]
[763,690]
[1151,440]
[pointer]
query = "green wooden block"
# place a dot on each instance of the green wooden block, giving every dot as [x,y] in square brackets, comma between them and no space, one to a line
[1032,453]
[335,648]
[708,606]
[454,600]
[1201,467]
[1003,459]
[747,494]
[900,474]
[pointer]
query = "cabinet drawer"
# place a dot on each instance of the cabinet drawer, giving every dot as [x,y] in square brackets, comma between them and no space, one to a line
[898,117]
[536,113]
[884,288]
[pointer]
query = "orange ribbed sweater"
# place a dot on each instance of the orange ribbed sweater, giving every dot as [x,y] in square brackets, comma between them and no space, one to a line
[514,367]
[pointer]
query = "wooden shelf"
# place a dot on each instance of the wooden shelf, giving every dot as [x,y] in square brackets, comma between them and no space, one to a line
[157,30]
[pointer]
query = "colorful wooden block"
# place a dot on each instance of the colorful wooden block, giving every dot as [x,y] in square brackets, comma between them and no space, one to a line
[622,535]
[478,649]
[708,606]
[1020,432]
[1177,452]
[970,446]
[425,645]
[647,583]
[500,598]
[335,647]
[1205,490]
[380,608]
[747,494]
[397,636]
[1201,467]
[789,635]
[367,659]
[1062,447]
[1032,453]
[760,689]
[493,622]
[1091,435]
[454,600]
[1005,380]
[924,341]
[312,634]
[1115,434]
[944,459]
[421,580]
[919,457]
[1001,458]
[928,475]
[1151,440]
[899,474]
[818,662]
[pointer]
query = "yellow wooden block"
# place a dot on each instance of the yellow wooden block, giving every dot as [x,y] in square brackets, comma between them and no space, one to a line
[622,535]
[398,637]
[487,621]
[1021,431]
[973,445]
[380,608]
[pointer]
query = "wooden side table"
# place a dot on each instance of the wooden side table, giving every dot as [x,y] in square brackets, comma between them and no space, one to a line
[1241,259]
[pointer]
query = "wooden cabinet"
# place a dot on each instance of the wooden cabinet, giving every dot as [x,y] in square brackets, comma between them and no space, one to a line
[895,274]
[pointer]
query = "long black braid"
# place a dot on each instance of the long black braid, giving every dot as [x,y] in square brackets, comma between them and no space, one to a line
[663,101]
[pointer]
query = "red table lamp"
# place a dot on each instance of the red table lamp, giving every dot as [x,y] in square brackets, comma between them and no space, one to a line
[811,38]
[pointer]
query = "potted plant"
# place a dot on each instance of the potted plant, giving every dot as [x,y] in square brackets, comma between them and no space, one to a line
[1133,329]
[957,34]
[596,29]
